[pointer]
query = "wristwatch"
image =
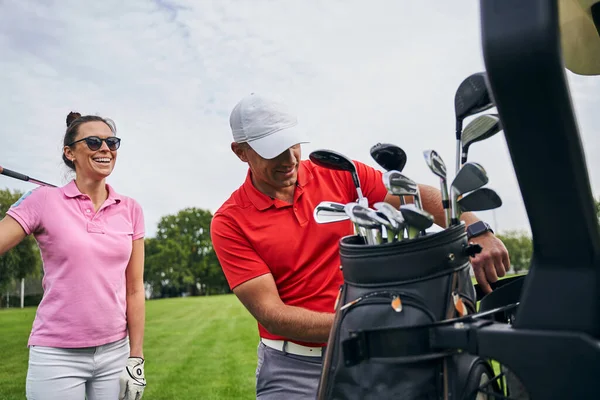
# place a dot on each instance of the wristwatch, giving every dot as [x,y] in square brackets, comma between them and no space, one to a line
[478,228]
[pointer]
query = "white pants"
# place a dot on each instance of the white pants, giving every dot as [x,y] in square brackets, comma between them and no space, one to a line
[72,374]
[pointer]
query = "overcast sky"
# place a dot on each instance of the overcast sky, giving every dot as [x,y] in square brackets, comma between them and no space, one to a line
[169,73]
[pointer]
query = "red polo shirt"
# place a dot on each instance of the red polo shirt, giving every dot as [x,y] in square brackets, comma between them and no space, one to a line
[253,235]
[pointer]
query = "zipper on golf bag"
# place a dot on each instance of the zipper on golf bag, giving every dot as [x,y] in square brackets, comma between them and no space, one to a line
[396,299]
[463,305]
[459,303]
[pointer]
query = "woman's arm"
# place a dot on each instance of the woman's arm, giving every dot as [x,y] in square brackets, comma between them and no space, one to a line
[11,234]
[136,299]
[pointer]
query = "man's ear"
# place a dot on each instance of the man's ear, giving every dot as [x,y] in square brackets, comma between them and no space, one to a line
[240,150]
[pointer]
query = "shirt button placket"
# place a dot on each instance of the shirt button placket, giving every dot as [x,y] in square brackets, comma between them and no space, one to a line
[88,206]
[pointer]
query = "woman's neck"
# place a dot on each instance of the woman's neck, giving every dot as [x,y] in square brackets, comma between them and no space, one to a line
[95,189]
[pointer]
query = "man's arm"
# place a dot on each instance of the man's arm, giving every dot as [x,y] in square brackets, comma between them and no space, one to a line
[260,297]
[491,263]
[253,284]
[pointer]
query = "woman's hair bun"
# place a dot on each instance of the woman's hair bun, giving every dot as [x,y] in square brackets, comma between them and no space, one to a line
[72,117]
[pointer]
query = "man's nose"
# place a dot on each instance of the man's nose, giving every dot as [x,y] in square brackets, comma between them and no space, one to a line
[288,157]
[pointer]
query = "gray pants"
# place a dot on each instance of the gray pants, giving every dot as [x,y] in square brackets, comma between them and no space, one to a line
[288,376]
[76,374]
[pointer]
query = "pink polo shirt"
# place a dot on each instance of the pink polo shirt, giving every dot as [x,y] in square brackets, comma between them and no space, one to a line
[84,254]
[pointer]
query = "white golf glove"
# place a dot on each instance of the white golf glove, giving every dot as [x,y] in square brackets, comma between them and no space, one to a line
[132,380]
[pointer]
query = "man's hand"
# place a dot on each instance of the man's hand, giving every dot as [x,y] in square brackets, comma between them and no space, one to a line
[132,380]
[492,262]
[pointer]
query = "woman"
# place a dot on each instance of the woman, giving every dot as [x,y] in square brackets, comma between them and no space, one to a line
[89,327]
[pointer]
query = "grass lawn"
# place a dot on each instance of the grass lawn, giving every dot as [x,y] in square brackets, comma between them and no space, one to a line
[195,347]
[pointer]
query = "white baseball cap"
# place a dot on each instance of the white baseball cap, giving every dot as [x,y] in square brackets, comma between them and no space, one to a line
[266,124]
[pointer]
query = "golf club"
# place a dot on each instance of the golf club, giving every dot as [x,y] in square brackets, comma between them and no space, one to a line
[400,185]
[417,219]
[480,200]
[393,215]
[328,211]
[389,156]
[369,229]
[470,177]
[22,177]
[390,224]
[437,166]
[471,97]
[481,128]
[333,160]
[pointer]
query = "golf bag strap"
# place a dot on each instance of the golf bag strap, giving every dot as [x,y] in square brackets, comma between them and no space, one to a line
[413,344]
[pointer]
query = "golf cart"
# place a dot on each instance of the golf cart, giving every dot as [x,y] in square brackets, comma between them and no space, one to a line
[552,343]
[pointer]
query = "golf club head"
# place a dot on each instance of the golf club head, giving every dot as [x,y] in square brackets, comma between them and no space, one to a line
[360,215]
[369,228]
[389,156]
[328,211]
[470,177]
[383,219]
[334,160]
[416,218]
[390,224]
[438,167]
[472,97]
[393,215]
[435,163]
[481,128]
[480,200]
[390,211]
[398,184]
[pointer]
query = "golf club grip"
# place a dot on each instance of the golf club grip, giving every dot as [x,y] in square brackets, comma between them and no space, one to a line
[356,180]
[14,174]
[459,126]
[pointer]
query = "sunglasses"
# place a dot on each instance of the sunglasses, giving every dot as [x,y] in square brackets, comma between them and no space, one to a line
[94,142]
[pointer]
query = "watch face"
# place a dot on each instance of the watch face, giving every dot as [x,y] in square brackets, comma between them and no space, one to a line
[477,228]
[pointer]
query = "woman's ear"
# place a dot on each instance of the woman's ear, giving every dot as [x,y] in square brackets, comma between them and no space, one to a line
[68,152]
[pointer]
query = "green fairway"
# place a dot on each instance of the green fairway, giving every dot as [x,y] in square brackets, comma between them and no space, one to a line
[195,348]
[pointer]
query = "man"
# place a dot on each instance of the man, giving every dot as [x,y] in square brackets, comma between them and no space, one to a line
[281,264]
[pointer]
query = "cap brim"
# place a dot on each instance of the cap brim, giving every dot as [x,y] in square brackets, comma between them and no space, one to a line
[273,145]
[580,41]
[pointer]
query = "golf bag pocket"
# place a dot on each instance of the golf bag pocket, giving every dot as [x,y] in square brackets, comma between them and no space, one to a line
[408,284]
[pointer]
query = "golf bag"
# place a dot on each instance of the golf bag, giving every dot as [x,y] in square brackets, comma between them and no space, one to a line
[406,284]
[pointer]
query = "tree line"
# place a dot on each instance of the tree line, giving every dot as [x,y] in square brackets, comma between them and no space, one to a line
[180,259]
